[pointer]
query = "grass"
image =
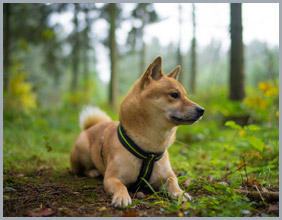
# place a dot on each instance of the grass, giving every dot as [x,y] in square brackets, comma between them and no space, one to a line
[205,152]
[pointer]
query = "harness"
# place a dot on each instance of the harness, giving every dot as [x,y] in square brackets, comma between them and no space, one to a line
[148,158]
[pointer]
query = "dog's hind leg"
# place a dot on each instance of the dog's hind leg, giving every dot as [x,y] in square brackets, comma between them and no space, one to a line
[81,162]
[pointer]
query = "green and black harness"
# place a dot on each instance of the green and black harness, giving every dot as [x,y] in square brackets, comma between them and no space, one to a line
[148,158]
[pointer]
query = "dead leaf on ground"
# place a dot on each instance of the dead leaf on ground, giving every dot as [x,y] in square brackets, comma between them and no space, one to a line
[210,178]
[130,214]
[223,183]
[187,182]
[253,182]
[43,167]
[41,212]
[102,209]
[273,208]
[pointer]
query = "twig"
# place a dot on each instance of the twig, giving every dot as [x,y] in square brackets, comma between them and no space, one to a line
[259,193]
[179,142]
[230,173]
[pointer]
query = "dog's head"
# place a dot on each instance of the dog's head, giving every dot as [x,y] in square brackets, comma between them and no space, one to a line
[164,97]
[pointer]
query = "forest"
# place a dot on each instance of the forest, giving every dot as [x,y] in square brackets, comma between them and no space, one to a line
[60,57]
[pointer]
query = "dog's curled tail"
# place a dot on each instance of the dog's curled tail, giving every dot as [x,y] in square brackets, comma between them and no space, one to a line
[90,116]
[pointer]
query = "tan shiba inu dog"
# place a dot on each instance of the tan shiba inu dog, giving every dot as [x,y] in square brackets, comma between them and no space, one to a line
[149,115]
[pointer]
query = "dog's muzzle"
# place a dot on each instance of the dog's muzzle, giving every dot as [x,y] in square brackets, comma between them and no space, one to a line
[190,118]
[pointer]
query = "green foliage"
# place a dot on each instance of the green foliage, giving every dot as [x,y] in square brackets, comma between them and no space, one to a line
[233,125]
[48,145]
[257,143]
[216,200]
[20,94]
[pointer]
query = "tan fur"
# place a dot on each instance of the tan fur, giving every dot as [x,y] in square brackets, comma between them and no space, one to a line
[147,114]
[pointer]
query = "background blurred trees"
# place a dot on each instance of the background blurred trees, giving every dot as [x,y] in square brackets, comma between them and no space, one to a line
[112,13]
[60,66]
[179,53]
[6,45]
[144,14]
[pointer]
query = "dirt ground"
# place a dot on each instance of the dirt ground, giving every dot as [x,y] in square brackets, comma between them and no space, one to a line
[45,192]
[27,195]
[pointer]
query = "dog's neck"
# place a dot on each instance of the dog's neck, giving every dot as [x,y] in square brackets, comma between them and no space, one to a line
[149,133]
[150,138]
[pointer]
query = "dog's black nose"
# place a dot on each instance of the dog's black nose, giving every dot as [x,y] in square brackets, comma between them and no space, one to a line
[200,110]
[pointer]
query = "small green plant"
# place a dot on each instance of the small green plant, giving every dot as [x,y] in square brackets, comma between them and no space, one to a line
[247,133]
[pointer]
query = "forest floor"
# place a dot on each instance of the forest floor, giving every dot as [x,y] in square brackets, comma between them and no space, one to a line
[212,159]
[44,192]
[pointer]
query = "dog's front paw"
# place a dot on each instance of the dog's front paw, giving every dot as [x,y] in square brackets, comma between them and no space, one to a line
[187,196]
[175,195]
[121,199]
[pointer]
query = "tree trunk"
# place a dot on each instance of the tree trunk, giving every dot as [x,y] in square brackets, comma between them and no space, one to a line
[143,49]
[193,54]
[237,90]
[179,55]
[6,45]
[86,46]
[113,55]
[75,55]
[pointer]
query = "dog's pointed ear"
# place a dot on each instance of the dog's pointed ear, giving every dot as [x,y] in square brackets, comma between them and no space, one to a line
[153,72]
[175,73]
[156,69]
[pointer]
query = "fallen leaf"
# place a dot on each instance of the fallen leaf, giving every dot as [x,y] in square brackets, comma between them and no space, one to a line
[6,197]
[102,209]
[41,212]
[223,183]
[187,182]
[34,156]
[273,208]
[180,214]
[43,167]
[130,214]
[203,156]
[210,178]
[253,182]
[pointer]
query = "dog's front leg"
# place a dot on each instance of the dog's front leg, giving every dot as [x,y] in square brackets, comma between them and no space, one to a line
[173,188]
[113,186]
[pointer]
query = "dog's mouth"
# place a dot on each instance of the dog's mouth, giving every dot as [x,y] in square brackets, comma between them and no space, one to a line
[178,120]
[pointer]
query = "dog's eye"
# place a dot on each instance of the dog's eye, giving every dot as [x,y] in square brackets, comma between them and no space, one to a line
[174,95]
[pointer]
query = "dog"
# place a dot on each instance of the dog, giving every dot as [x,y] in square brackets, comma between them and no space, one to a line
[148,119]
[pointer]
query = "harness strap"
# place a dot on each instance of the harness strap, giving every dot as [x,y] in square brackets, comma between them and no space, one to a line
[148,159]
[145,172]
